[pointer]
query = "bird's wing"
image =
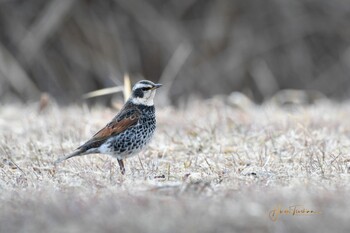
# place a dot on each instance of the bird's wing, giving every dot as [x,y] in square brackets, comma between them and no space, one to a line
[117,125]
[126,118]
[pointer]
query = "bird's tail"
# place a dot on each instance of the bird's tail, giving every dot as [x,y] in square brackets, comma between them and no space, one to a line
[77,152]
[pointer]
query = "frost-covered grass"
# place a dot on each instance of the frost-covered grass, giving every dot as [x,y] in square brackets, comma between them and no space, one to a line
[209,168]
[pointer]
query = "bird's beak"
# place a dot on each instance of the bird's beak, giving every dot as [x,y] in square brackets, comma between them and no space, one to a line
[156,86]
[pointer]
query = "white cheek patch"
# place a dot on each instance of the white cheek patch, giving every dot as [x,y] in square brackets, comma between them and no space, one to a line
[146,100]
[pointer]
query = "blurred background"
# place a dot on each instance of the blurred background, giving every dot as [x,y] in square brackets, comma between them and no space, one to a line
[196,48]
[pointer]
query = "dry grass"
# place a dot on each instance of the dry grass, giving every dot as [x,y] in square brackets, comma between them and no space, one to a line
[70,47]
[210,168]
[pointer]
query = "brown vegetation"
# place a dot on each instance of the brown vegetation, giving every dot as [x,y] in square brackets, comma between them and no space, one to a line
[202,47]
[210,168]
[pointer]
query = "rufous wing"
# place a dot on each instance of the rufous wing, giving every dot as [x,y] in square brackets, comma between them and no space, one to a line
[117,125]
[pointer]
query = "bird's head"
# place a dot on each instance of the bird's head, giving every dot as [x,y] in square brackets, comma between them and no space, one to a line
[143,92]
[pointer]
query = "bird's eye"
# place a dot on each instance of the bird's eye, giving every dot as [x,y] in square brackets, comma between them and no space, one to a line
[145,88]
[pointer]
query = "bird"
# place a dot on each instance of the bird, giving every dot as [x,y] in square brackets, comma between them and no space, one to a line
[129,132]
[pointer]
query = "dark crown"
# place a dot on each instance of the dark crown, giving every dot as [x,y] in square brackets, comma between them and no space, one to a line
[142,86]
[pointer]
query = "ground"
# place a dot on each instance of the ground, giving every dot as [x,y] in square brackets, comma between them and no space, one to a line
[211,167]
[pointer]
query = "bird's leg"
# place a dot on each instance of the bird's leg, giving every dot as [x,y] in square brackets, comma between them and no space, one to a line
[121,165]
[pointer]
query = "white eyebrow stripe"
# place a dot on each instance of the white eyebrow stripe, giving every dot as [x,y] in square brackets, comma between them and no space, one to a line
[141,85]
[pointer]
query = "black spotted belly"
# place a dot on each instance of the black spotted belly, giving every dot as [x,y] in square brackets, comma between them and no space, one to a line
[133,140]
